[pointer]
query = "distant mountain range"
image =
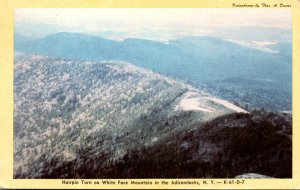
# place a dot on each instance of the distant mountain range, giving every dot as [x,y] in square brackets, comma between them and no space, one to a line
[210,58]
[86,119]
[197,60]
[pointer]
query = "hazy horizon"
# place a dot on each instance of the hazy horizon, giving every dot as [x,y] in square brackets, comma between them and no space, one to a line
[240,25]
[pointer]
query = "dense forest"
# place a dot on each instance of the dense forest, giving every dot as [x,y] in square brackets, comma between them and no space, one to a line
[86,119]
[259,142]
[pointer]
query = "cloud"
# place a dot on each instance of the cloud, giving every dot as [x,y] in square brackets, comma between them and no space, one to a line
[263,43]
[259,45]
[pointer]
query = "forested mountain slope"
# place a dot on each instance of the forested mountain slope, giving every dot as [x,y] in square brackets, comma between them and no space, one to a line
[84,114]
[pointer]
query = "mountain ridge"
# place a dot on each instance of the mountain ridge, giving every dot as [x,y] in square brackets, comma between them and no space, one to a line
[99,106]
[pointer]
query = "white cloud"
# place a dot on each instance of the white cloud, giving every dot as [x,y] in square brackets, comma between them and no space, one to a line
[263,43]
[259,45]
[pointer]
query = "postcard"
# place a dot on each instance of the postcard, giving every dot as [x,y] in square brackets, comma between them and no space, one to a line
[149,95]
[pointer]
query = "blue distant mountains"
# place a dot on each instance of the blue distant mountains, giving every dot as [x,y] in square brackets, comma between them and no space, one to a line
[200,59]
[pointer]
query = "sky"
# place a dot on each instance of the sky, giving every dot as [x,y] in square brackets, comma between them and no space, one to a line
[237,24]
